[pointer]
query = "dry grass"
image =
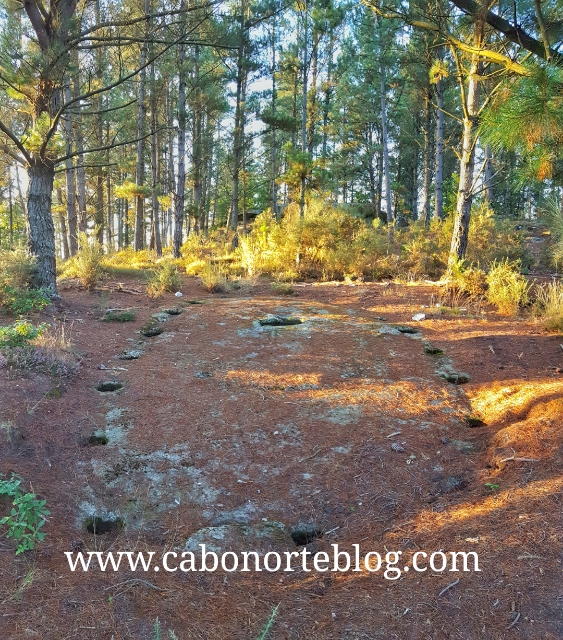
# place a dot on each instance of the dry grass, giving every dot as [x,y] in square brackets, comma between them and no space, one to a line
[548,306]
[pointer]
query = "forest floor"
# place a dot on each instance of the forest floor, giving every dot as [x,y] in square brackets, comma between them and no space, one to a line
[224,423]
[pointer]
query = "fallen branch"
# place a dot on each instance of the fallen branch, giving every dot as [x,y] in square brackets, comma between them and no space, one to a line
[311,456]
[134,292]
[515,459]
[135,580]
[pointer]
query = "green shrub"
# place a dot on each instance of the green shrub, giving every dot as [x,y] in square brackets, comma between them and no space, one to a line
[16,268]
[165,277]
[468,280]
[20,333]
[508,289]
[548,306]
[22,301]
[16,271]
[27,515]
[86,265]
[214,279]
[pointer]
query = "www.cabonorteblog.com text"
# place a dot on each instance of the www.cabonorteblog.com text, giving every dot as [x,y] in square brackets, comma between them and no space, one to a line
[391,564]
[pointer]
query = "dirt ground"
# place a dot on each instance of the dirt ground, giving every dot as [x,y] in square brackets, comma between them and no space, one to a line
[340,425]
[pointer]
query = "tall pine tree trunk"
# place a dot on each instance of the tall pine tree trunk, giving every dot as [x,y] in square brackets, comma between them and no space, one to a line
[460,235]
[69,174]
[439,142]
[197,144]
[427,156]
[488,176]
[140,172]
[384,134]
[304,70]
[40,227]
[274,106]
[154,168]
[179,200]
[238,142]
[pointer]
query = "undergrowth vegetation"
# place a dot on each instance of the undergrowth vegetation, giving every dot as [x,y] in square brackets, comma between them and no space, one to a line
[26,347]
[331,244]
[27,514]
[86,265]
[548,306]
[164,277]
[507,289]
[16,295]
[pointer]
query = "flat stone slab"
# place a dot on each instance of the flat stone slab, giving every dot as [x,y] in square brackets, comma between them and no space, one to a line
[279,321]
[262,537]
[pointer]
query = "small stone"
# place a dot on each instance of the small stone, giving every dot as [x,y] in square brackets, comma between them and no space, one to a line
[432,350]
[419,316]
[151,331]
[457,377]
[397,447]
[178,294]
[408,330]
[133,354]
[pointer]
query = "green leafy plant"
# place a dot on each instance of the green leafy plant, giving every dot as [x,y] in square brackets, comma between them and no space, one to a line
[27,516]
[16,273]
[20,333]
[157,632]
[492,486]
[22,301]
[269,623]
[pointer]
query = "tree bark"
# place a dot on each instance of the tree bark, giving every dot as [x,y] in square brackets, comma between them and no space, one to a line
[427,157]
[439,166]
[274,105]
[197,144]
[304,62]
[140,173]
[179,199]
[154,167]
[460,235]
[69,173]
[488,176]
[240,115]
[384,135]
[40,227]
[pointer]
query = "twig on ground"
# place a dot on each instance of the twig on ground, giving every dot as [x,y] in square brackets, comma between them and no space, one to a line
[135,580]
[514,621]
[316,453]
[453,584]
